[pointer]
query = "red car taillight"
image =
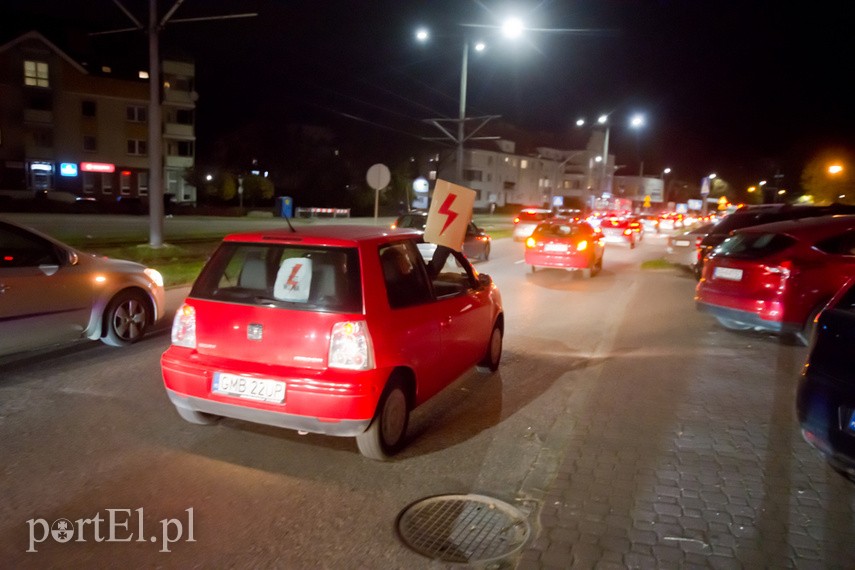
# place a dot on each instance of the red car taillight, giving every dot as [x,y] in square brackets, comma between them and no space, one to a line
[530,242]
[627,232]
[350,346]
[184,327]
[782,270]
[582,245]
[516,220]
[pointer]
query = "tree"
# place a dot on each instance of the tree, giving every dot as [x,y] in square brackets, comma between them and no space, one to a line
[256,189]
[828,177]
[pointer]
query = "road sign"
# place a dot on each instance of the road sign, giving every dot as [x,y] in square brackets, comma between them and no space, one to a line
[705,186]
[378,177]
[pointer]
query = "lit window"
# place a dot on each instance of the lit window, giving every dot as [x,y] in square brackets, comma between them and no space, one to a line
[36,74]
[523,163]
[432,175]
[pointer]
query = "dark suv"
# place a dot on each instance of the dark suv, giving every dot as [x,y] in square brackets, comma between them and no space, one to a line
[747,216]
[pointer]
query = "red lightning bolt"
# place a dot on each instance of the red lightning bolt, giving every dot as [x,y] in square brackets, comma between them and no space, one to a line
[446,210]
[291,284]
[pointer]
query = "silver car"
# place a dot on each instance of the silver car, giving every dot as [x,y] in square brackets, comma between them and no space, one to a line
[52,293]
[682,248]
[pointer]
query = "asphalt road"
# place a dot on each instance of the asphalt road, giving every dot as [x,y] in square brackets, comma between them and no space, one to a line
[608,387]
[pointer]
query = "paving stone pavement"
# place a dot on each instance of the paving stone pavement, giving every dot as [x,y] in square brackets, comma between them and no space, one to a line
[697,464]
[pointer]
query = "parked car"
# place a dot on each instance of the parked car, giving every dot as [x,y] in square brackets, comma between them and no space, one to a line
[618,230]
[682,248]
[476,244]
[51,293]
[527,220]
[747,216]
[565,244]
[777,277]
[337,330]
[825,400]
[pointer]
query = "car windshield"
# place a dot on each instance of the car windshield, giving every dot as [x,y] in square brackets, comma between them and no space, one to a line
[532,216]
[752,245]
[285,276]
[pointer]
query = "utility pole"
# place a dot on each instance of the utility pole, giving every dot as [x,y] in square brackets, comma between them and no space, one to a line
[155,122]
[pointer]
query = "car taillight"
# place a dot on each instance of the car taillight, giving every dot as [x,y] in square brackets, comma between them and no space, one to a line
[394,226]
[184,327]
[517,220]
[784,269]
[582,245]
[350,346]
[627,232]
[530,242]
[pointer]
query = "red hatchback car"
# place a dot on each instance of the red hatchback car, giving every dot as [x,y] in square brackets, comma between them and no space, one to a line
[619,230]
[777,277]
[338,330]
[565,244]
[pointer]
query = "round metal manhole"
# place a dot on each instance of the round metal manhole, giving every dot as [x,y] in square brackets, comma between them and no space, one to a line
[463,528]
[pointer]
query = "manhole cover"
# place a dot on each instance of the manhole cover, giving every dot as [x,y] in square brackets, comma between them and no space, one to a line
[463,528]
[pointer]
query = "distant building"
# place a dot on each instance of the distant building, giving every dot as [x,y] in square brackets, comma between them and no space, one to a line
[69,128]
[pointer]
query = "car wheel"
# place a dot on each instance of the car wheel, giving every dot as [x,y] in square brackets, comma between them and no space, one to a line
[733,325]
[586,273]
[385,436]
[486,256]
[126,319]
[198,418]
[533,268]
[493,355]
[632,244]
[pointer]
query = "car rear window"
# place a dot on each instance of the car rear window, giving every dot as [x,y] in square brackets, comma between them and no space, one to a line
[532,216]
[287,276]
[416,222]
[561,230]
[752,245]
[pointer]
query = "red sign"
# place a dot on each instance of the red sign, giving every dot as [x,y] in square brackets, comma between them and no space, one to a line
[97,167]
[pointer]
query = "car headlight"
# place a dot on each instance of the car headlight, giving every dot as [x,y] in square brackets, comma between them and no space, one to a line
[154,275]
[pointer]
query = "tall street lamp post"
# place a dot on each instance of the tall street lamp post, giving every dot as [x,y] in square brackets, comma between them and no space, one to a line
[512,28]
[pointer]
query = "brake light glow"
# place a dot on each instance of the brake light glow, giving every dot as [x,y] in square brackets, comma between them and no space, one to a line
[350,346]
[627,232]
[530,242]
[517,220]
[184,327]
[582,245]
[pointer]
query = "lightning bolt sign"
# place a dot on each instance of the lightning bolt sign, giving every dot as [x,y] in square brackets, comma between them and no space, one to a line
[291,284]
[446,210]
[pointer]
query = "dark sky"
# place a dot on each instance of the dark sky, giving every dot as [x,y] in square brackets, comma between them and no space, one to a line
[735,87]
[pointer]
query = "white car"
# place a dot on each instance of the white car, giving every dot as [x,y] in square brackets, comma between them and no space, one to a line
[527,220]
[51,293]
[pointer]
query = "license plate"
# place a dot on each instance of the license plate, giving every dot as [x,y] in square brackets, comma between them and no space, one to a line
[728,273]
[556,247]
[681,242]
[259,389]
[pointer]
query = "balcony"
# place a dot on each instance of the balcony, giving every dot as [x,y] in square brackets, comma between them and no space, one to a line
[179,97]
[179,131]
[35,116]
[173,161]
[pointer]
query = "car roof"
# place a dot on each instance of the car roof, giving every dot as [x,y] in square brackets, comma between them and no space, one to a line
[332,234]
[815,227]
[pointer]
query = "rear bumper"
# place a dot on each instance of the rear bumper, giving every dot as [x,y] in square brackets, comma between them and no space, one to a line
[344,428]
[747,317]
[566,261]
[325,401]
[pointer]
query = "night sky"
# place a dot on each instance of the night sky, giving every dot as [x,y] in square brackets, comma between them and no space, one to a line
[740,88]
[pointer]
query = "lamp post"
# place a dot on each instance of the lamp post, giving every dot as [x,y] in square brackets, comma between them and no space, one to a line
[637,122]
[603,175]
[512,28]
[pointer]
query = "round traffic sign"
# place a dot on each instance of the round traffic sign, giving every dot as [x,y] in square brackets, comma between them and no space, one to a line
[378,176]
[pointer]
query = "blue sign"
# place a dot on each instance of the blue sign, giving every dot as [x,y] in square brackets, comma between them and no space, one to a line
[68,169]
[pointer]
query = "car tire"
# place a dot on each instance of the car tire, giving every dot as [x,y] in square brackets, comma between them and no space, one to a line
[733,325]
[387,432]
[533,269]
[126,319]
[493,354]
[198,418]
[586,273]
[486,256]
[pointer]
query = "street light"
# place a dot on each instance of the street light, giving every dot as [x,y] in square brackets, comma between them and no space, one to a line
[512,28]
[603,121]
[637,122]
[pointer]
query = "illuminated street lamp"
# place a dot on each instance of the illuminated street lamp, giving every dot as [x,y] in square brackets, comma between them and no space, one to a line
[835,169]
[513,29]
[638,122]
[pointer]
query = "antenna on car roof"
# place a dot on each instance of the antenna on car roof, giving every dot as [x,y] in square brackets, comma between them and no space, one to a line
[288,219]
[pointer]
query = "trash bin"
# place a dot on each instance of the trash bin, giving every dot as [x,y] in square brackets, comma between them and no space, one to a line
[285,206]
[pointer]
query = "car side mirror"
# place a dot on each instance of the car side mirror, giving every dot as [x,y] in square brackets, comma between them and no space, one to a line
[485,280]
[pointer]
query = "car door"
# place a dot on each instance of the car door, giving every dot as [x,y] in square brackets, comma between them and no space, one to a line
[466,314]
[40,298]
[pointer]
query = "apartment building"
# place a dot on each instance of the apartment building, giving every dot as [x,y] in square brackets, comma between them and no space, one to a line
[66,127]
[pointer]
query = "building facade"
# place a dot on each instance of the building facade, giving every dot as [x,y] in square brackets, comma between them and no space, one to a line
[66,128]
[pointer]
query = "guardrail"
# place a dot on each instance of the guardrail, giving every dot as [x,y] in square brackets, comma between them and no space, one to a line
[322,212]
